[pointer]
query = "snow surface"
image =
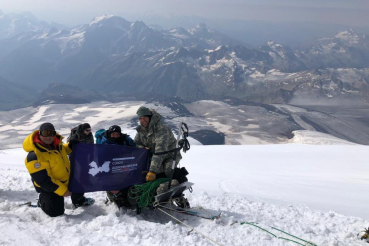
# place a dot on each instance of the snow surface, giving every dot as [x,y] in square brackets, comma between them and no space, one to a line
[316,192]
[314,137]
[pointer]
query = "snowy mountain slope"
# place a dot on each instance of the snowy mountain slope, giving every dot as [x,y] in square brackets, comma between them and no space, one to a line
[316,138]
[239,72]
[10,90]
[12,24]
[283,57]
[211,122]
[291,187]
[346,49]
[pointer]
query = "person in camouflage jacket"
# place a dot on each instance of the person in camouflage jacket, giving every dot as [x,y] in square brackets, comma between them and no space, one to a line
[154,135]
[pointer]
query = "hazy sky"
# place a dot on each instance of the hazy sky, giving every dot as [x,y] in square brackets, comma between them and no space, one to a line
[73,12]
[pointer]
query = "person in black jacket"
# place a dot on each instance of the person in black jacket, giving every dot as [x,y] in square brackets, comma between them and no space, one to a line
[82,133]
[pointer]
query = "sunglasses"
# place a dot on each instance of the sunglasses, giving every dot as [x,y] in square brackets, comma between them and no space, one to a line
[87,130]
[48,133]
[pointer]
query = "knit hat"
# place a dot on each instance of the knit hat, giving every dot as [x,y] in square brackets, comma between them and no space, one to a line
[115,128]
[47,126]
[112,129]
[143,111]
[85,126]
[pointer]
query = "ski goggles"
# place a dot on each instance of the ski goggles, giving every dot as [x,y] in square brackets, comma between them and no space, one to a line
[48,133]
[87,130]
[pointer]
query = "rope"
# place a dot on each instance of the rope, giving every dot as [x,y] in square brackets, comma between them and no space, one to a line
[290,240]
[309,243]
[192,228]
[144,193]
[242,223]
[287,239]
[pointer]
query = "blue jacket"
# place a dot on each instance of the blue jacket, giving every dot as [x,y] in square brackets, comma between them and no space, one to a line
[124,140]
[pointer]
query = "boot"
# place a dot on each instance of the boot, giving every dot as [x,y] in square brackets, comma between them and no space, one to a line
[87,202]
[182,202]
[163,187]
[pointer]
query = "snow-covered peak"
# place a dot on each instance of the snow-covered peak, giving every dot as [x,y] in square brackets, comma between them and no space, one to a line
[29,16]
[179,30]
[348,36]
[275,49]
[274,45]
[16,23]
[219,47]
[23,17]
[98,19]
[138,24]
[201,28]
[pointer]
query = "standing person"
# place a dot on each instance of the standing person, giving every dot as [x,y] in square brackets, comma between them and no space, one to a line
[114,136]
[154,135]
[82,133]
[48,164]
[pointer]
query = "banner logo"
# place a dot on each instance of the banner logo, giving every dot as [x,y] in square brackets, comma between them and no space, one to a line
[94,170]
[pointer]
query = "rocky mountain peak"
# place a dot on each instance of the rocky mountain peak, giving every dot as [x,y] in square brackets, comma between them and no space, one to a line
[139,30]
[110,22]
[200,29]
[97,20]
[201,25]
[273,45]
[179,31]
[139,24]
[28,15]
[348,36]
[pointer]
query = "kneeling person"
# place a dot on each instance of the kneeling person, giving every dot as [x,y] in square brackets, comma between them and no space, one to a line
[47,162]
[114,136]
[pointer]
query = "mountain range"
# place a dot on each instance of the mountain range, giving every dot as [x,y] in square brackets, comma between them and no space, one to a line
[111,56]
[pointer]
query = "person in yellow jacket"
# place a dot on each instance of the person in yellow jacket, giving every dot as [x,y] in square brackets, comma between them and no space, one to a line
[48,164]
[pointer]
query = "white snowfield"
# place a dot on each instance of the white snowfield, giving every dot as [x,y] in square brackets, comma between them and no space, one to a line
[315,192]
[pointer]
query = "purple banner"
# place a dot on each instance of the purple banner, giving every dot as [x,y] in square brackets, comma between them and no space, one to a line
[98,167]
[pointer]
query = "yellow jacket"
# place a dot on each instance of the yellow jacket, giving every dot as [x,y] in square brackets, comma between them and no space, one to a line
[49,166]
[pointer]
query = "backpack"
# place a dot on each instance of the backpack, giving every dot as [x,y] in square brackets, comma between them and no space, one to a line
[98,135]
[72,132]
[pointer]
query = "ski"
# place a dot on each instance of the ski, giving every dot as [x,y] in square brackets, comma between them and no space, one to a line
[28,204]
[201,213]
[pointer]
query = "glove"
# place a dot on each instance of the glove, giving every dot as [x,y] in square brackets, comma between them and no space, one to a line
[72,142]
[150,176]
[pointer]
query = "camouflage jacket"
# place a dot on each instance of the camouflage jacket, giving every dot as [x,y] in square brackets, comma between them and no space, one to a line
[158,137]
